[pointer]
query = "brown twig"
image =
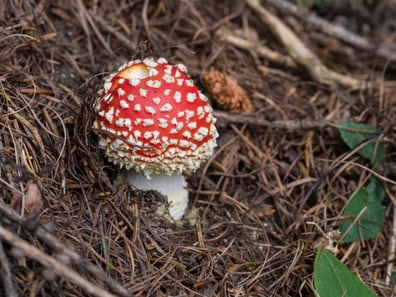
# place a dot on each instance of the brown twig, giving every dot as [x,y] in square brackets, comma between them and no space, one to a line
[336,31]
[54,243]
[279,124]
[228,36]
[391,250]
[6,274]
[105,25]
[301,54]
[60,269]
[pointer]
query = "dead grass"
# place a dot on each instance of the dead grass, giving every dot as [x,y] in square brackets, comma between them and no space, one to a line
[272,192]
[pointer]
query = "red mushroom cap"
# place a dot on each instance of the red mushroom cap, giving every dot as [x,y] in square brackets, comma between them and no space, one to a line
[152,117]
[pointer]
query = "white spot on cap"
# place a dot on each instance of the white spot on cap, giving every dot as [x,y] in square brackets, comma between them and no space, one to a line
[137,107]
[203,97]
[148,122]
[184,143]
[162,61]
[182,67]
[143,92]
[124,104]
[107,85]
[168,69]
[150,62]
[177,73]
[192,125]
[189,114]
[180,114]
[201,133]
[191,97]
[153,71]
[156,100]
[167,107]
[128,123]
[179,125]
[147,135]
[167,92]
[153,83]
[149,109]
[168,78]
[137,134]
[200,112]
[180,82]
[189,82]
[173,141]
[120,122]
[110,115]
[177,97]
[130,97]
[165,140]
[155,141]
[163,123]
[121,81]
[134,81]
[187,134]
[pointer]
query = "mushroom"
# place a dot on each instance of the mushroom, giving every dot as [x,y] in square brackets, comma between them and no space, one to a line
[153,121]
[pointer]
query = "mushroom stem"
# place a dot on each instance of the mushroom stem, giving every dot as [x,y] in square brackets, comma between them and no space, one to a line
[171,186]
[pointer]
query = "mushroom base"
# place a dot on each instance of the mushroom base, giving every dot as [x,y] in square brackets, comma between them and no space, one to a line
[171,186]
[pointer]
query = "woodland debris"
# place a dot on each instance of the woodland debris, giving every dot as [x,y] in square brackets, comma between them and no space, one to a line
[226,92]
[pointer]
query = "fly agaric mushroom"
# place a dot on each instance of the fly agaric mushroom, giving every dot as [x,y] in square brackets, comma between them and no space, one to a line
[153,121]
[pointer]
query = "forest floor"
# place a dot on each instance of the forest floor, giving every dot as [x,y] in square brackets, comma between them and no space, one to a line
[274,190]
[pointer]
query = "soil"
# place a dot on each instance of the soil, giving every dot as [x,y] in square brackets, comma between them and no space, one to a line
[275,188]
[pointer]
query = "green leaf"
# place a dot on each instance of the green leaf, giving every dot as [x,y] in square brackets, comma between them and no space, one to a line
[371,221]
[373,151]
[394,276]
[333,279]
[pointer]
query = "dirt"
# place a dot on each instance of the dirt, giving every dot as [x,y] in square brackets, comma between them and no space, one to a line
[274,190]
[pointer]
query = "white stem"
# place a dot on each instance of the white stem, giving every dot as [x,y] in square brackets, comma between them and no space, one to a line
[171,186]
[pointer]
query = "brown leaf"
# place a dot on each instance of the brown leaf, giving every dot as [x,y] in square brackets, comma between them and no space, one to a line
[32,201]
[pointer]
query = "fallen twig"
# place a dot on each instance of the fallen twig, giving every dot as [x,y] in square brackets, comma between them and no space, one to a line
[60,248]
[228,36]
[8,285]
[279,124]
[301,54]
[105,25]
[60,269]
[391,251]
[337,31]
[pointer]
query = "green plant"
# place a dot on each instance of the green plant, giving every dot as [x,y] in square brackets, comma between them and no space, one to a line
[365,217]
[332,278]
[364,211]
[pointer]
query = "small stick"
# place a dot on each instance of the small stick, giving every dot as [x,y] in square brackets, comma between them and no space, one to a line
[279,124]
[105,25]
[9,288]
[391,250]
[54,243]
[301,54]
[228,36]
[336,31]
[60,269]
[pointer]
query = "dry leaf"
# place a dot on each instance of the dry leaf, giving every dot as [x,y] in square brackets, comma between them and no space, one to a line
[32,201]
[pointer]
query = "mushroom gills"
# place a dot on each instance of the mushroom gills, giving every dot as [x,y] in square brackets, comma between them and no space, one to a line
[171,186]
